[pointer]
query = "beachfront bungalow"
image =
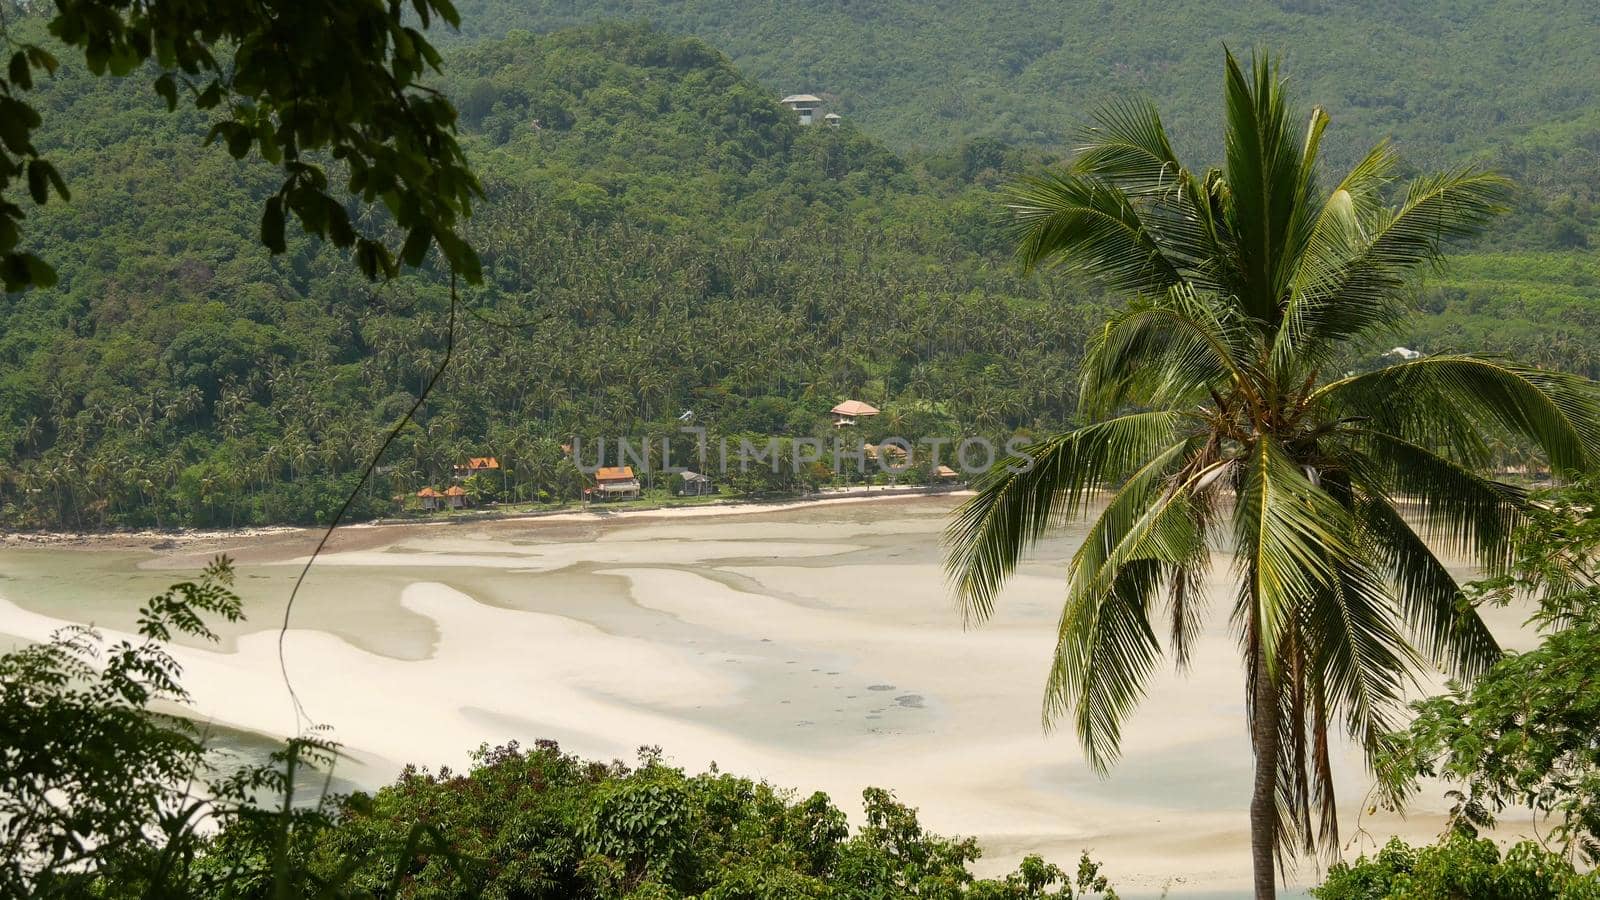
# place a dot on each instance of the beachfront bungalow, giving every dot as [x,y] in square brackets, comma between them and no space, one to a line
[695,484]
[430,499]
[477,465]
[615,483]
[946,474]
[849,411]
[455,497]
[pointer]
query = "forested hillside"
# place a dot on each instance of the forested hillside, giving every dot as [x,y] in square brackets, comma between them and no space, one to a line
[659,235]
[1449,82]
[675,238]
[1446,79]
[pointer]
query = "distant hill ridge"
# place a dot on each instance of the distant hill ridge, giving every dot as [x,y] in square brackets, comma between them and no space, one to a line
[1446,79]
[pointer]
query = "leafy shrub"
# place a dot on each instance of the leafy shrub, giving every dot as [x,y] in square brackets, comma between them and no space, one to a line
[1458,868]
[100,793]
[543,823]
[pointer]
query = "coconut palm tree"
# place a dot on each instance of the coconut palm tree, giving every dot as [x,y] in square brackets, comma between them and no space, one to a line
[1220,415]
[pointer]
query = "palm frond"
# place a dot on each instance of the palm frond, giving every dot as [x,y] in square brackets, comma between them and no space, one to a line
[1288,535]
[1162,352]
[1458,508]
[1443,628]
[1142,522]
[1022,496]
[1364,659]
[1091,227]
[1558,413]
[1438,208]
[1335,238]
[1105,652]
[1352,276]
[1265,181]
[1308,814]
[1127,146]
[1105,645]
[1340,656]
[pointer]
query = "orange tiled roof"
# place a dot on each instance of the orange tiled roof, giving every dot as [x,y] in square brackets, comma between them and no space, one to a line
[455,491]
[427,492]
[613,473]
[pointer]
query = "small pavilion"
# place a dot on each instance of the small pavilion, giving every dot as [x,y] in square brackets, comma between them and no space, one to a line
[849,411]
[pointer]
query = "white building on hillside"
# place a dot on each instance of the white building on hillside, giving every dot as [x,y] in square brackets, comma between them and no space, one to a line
[804,104]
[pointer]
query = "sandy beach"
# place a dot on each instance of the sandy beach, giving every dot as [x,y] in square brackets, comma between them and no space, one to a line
[814,645]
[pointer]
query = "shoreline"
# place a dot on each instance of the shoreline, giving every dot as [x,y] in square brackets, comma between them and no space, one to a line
[816,652]
[180,539]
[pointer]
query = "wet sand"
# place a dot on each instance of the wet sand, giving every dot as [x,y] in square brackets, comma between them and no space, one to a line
[816,647]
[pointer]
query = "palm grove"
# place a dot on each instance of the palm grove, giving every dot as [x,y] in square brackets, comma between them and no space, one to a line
[1215,419]
[675,237]
[678,239]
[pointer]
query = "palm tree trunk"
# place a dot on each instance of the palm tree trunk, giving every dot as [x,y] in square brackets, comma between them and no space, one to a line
[1263,797]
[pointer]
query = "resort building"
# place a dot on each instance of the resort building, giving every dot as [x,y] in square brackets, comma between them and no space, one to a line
[616,483]
[804,104]
[455,497]
[833,119]
[945,473]
[430,498]
[849,411]
[477,465]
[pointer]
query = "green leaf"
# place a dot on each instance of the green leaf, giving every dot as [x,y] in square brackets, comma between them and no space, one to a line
[373,258]
[415,248]
[38,181]
[447,11]
[124,60]
[56,180]
[339,230]
[19,71]
[267,142]
[17,119]
[168,89]
[461,256]
[42,59]
[39,273]
[239,140]
[272,225]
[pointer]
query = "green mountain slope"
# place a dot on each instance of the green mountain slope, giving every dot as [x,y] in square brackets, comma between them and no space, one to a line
[674,237]
[1446,79]
[1498,84]
[660,235]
